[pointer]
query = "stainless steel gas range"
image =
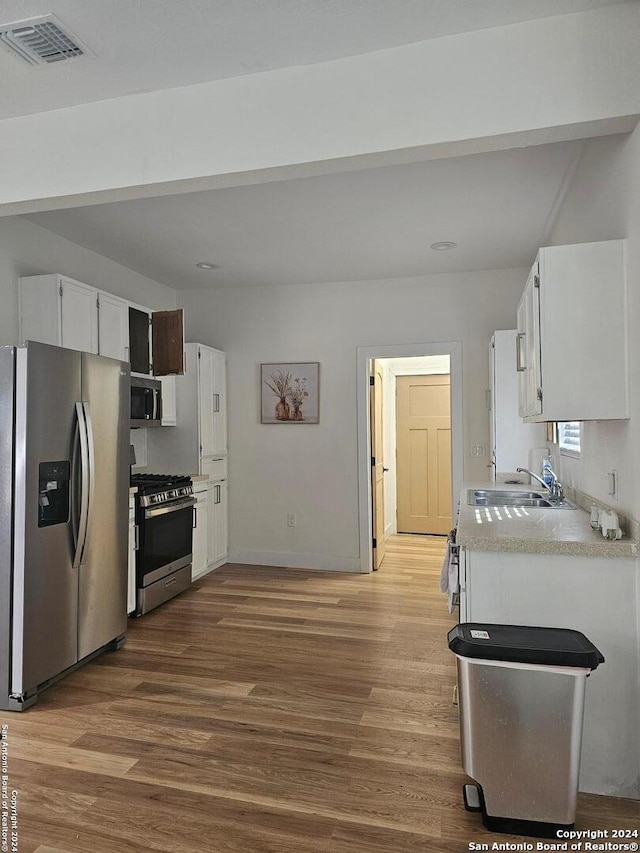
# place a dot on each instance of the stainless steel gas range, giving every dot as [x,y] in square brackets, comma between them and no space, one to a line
[164,516]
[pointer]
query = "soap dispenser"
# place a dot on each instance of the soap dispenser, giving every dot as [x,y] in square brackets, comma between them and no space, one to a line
[547,471]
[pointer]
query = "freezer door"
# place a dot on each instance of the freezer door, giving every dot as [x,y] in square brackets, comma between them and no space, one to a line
[45,584]
[102,573]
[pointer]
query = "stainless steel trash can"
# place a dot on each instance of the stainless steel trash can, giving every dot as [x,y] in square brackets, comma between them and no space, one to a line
[521,702]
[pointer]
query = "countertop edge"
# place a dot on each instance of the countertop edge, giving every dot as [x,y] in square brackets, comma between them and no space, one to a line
[584,540]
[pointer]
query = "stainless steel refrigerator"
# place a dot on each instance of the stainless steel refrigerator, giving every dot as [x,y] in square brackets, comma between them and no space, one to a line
[64,481]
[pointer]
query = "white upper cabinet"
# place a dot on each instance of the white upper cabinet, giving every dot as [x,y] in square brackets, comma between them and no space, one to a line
[197,444]
[113,326]
[79,316]
[511,439]
[206,401]
[60,311]
[572,334]
[212,402]
[528,348]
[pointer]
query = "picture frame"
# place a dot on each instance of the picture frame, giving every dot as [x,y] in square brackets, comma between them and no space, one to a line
[290,392]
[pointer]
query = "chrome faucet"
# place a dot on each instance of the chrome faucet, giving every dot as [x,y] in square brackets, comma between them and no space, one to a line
[556,492]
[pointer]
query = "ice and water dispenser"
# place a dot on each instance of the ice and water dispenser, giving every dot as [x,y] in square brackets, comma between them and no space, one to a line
[53,493]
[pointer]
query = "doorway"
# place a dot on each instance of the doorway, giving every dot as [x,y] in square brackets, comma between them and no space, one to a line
[419,487]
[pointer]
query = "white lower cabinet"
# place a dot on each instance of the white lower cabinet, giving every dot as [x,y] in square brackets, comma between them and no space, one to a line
[217,522]
[131,569]
[594,595]
[210,530]
[200,560]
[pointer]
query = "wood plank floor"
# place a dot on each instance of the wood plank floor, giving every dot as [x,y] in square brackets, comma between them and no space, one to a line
[263,710]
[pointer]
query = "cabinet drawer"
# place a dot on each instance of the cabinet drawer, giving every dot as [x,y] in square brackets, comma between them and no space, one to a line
[215,469]
[200,488]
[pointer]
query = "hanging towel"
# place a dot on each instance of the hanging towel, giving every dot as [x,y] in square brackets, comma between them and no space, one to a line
[444,572]
[449,577]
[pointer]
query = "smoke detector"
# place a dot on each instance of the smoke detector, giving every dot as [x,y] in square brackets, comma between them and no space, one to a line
[42,41]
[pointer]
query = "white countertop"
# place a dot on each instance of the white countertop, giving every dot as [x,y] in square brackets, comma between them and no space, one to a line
[535,530]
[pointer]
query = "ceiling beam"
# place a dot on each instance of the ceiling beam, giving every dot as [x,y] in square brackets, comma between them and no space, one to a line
[552,79]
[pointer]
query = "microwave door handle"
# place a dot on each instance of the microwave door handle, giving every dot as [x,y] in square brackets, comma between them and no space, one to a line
[84,486]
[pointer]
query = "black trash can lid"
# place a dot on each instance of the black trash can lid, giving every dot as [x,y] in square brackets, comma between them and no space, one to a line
[524,644]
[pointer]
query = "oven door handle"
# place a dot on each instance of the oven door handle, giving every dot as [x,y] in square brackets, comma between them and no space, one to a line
[152,512]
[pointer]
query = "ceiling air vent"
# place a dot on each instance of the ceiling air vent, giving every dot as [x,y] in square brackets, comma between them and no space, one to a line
[41,41]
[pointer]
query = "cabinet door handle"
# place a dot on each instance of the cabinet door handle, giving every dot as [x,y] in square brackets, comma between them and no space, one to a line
[136,538]
[520,366]
[195,518]
[216,498]
[216,403]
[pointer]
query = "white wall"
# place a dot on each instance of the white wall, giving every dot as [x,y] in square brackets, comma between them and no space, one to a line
[27,249]
[603,202]
[312,470]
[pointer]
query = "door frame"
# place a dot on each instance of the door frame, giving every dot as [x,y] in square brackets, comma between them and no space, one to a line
[364,356]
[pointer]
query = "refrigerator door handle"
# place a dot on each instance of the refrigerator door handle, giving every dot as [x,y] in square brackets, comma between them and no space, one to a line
[92,469]
[85,487]
[75,487]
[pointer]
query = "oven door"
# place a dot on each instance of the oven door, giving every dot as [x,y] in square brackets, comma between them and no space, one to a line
[166,540]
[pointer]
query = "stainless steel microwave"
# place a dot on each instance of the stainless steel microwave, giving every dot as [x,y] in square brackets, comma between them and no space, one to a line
[146,402]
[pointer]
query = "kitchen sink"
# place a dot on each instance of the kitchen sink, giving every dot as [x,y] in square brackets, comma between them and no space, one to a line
[515,498]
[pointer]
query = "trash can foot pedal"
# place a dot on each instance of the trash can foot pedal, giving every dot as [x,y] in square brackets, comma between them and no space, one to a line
[471,797]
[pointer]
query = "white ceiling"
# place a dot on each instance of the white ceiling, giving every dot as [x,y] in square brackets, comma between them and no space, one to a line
[147,45]
[368,224]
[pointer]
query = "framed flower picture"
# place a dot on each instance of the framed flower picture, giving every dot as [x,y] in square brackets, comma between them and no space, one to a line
[289,393]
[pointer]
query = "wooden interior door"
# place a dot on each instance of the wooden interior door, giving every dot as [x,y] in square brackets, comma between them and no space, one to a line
[377,466]
[423,444]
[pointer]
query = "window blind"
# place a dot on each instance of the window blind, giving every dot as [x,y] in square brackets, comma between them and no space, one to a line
[569,437]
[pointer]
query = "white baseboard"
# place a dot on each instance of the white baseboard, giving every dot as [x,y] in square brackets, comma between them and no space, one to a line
[289,560]
[210,568]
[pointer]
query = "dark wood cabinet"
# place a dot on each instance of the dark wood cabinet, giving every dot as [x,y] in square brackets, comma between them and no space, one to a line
[165,331]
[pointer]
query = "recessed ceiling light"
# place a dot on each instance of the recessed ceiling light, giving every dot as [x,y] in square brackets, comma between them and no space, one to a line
[207,265]
[443,246]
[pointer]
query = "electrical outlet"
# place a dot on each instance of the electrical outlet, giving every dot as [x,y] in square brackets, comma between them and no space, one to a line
[291,519]
[477,450]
